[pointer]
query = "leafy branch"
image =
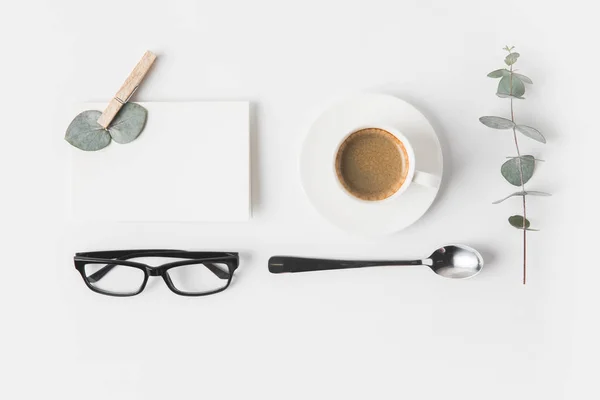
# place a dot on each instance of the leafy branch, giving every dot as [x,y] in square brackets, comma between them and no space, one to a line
[517,170]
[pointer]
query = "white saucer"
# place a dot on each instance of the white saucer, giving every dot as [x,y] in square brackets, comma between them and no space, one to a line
[318,175]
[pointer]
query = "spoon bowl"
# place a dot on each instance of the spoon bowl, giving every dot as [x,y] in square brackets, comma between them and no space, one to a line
[455,261]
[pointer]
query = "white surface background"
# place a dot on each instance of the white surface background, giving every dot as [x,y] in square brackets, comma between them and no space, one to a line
[379,333]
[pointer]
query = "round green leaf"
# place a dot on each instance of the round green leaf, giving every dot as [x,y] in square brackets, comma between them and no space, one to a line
[511,172]
[497,122]
[517,221]
[85,133]
[499,73]
[517,89]
[531,132]
[511,58]
[128,123]
[524,78]
[504,86]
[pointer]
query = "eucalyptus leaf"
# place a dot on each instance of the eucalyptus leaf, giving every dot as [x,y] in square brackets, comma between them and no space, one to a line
[508,197]
[499,73]
[504,86]
[518,220]
[531,133]
[511,172]
[128,123]
[517,90]
[497,122]
[85,133]
[537,193]
[524,78]
[521,193]
[511,58]
[518,87]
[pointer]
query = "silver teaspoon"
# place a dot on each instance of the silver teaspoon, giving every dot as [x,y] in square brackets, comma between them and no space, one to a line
[455,261]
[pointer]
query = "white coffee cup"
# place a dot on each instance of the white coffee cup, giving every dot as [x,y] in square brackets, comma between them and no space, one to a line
[420,178]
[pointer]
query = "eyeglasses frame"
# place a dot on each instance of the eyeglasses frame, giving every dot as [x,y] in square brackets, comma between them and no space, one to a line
[120,257]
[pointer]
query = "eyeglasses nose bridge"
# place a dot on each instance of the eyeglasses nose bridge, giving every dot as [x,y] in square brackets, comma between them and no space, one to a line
[154,272]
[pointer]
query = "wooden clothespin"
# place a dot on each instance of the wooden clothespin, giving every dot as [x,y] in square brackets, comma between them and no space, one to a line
[131,84]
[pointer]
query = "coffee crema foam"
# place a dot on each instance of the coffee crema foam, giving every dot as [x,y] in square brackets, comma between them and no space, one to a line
[372,164]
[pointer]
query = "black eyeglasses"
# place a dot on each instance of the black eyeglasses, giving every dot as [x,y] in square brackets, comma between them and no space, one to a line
[194,273]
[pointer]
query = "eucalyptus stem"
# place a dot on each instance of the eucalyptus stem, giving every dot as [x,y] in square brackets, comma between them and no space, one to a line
[512,117]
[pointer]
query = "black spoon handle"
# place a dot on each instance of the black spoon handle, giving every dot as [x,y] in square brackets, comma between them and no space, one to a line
[281,264]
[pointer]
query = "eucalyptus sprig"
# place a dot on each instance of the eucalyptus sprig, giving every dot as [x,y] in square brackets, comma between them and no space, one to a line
[520,168]
[85,133]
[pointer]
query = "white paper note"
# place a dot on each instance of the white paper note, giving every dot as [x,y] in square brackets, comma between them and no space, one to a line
[191,163]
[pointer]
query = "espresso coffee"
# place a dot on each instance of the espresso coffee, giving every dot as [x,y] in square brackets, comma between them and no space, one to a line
[372,164]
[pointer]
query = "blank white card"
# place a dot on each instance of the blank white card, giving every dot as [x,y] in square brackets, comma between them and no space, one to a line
[191,163]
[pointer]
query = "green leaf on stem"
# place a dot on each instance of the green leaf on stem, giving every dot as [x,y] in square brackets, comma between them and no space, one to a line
[519,222]
[504,86]
[511,170]
[499,73]
[531,133]
[537,193]
[518,87]
[511,58]
[497,122]
[505,89]
[521,193]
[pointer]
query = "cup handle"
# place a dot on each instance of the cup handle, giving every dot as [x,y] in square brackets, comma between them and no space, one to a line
[426,179]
